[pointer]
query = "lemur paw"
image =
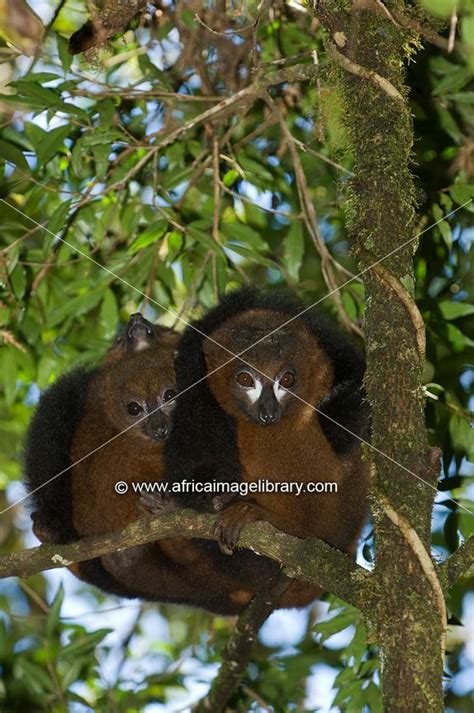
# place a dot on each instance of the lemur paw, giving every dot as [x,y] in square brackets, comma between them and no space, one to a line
[230,523]
[157,503]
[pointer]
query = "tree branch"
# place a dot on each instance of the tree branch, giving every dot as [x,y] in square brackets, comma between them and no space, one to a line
[237,652]
[458,564]
[365,73]
[228,106]
[311,560]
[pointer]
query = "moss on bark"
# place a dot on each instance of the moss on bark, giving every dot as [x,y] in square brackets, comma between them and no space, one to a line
[408,617]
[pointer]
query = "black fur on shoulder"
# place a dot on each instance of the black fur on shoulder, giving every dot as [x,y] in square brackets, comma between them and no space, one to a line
[203,444]
[47,448]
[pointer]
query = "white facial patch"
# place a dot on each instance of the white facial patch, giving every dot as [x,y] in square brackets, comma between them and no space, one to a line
[141,344]
[254,392]
[279,391]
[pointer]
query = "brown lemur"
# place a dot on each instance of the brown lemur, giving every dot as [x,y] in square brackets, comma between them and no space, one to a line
[52,427]
[291,408]
[133,389]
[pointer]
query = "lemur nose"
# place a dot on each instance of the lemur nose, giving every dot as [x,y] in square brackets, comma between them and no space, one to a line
[161,432]
[267,418]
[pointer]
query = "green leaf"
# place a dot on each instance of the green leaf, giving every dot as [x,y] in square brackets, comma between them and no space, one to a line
[9,373]
[461,193]
[38,77]
[239,233]
[13,155]
[84,643]
[33,677]
[461,434]
[36,95]
[255,171]
[153,233]
[294,250]
[230,177]
[54,614]
[63,52]
[108,317]
[55,225]
[99,138]
[458,340]
[52,142]
[101,157]
[443,226]
[454,310]
[441,8]
[18,281]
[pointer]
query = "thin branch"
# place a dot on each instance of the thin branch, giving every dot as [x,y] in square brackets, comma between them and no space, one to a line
[261,702]
[304,147]
[410,23]
[311,221]
[216,211]
[385,276]
[238,650]
[311,560]
[365,73]
[426,563]
[452,29]
[457,565]
[229,105]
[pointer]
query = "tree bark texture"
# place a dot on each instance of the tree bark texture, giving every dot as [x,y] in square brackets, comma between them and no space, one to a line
[409,617]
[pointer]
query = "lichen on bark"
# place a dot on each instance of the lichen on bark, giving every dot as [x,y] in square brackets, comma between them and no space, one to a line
[409,615]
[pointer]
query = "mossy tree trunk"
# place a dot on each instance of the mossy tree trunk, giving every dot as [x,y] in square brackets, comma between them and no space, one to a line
[369,52]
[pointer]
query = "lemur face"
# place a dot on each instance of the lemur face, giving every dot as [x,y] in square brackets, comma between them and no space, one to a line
[282,367]
[261,395]
[141,390]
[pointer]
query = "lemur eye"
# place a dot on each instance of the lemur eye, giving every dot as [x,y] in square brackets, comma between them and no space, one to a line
[244,378]
[169,394]
[287,380]
[133,408]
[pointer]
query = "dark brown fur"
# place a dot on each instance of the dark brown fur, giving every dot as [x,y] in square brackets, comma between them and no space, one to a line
[171,570]
[293,449]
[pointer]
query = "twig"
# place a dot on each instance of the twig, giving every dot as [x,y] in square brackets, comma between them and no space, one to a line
[305,147]
[320,120]
[365,73]
[410,23]
[125,643]
[9,338]
[40,603]
[452,29]
[423,557]
[253,694]
[311,222]
[216,210]
[46,33]
[238,30]
[151,276]
[297,73]
[238,650]
[407,301]
[458,564]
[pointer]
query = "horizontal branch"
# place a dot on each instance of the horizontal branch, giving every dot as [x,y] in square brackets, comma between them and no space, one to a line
[311,560]
[458,564]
